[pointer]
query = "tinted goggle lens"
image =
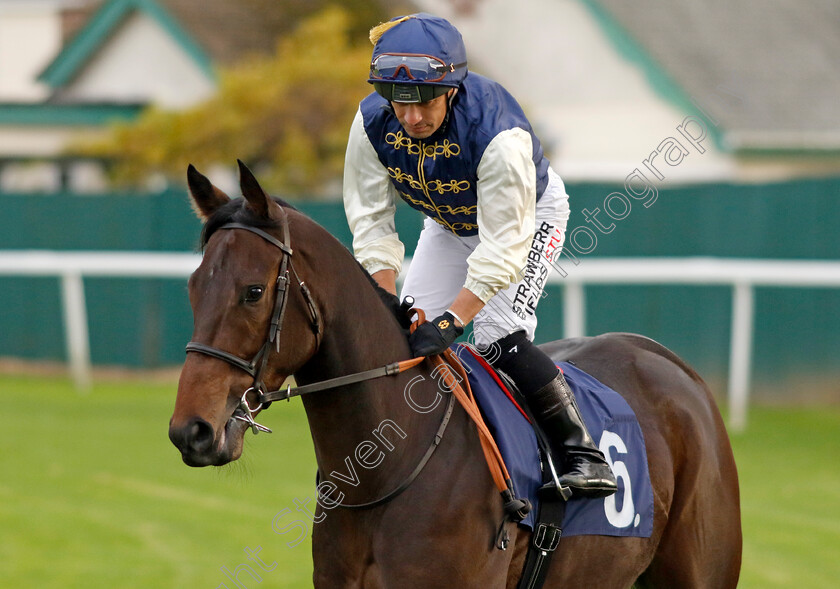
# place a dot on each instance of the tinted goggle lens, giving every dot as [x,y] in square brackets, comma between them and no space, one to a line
[422,68]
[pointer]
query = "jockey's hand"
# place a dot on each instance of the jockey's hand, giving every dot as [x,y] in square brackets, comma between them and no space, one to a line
[434,337]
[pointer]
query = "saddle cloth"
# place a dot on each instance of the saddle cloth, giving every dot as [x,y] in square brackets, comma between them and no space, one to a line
[612,424]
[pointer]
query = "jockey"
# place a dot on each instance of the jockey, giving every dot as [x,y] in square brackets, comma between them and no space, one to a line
[457,147]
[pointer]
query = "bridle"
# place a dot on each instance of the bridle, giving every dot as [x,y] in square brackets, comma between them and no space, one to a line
[257,365]
[245,412]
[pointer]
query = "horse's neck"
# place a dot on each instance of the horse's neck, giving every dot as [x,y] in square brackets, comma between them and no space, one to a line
[360,334]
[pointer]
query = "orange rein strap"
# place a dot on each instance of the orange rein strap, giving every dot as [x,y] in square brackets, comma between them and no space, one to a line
[460,387]
[494,459]
[515,508]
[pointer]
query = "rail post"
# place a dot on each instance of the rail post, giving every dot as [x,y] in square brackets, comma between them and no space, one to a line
[574,309]
[740,354]
[76,329]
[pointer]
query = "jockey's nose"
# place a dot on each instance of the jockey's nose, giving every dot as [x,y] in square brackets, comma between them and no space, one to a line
[413,115]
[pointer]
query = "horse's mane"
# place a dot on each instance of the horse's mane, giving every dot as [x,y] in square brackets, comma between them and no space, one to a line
[235,211]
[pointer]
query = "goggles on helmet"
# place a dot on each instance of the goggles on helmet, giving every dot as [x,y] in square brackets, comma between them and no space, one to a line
[420,68]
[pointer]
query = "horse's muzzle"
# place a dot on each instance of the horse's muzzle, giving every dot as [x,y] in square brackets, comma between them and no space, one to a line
[200,446]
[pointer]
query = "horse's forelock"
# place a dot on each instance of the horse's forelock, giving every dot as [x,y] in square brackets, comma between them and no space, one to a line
[237,211]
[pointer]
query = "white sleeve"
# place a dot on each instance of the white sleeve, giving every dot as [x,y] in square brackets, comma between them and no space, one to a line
[507,199]
[369,203]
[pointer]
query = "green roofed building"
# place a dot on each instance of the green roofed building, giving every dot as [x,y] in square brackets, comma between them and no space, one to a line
[68,68]
[606,83]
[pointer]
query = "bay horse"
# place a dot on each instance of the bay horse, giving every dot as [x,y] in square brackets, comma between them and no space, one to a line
[435,528]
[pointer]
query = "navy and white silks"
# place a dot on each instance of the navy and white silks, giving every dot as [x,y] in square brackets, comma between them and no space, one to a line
[496,212]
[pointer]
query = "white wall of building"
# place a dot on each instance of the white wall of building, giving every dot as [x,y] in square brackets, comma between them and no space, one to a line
[37,141]
[141,62]
[30,37]
[593,109]
[36,172]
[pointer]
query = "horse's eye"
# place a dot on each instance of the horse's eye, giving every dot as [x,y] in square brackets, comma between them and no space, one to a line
[254,293]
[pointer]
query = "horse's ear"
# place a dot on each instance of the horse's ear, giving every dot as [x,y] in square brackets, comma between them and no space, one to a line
[257,198]
[206,198]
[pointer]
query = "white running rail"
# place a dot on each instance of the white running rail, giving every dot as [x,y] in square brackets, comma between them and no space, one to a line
[743,275]
[71,268]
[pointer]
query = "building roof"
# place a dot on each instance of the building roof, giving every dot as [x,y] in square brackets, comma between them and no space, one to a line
[210,31]
[229,29]
[766,72]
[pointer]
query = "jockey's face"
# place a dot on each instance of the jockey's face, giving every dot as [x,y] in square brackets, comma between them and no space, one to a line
[421,119]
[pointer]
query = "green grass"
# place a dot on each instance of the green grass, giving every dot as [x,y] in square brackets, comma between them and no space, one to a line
[92,494]
[789,469]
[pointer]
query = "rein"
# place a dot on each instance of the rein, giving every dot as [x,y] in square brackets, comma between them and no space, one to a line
[388,370]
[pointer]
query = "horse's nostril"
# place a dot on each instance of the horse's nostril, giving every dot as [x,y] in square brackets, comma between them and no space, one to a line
[199,436]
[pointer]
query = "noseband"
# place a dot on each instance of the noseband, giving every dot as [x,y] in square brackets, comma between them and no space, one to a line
[257,366]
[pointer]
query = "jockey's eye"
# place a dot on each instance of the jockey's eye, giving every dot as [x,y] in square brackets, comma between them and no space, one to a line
[253,293]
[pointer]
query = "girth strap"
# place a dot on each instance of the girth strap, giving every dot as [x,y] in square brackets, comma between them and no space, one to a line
[544,542]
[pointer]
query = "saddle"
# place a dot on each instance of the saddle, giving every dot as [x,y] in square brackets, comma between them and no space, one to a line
[548,497]
[515,445]
[534,469]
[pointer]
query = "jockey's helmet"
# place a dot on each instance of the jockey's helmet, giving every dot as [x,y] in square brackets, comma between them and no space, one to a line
[416,58]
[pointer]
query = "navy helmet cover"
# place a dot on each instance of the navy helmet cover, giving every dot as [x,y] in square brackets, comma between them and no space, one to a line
[425,34]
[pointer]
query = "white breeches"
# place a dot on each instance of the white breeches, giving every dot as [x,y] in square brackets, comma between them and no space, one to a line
[439,269]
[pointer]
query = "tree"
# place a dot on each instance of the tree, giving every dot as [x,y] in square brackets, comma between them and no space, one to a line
[287,116]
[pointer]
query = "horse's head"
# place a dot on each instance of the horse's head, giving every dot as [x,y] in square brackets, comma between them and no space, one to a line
[241,297]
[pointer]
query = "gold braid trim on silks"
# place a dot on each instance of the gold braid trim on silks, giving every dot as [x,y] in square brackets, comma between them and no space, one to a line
[438,186]
[454,227]
[462,210]
[398,140]
[455,186]
[404,178]
[445,148]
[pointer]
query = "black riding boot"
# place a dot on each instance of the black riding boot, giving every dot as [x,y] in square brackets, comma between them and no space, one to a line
[551,400]
[586,471]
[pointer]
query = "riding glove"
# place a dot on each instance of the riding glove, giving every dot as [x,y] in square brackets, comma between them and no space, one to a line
[433,337]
